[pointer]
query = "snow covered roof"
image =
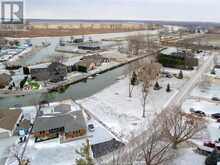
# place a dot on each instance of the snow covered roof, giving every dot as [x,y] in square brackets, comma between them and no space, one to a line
[37,66]
[169,50]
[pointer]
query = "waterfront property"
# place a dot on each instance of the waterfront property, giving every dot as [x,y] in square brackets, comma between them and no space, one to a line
[53,72]
[88,63]
[177,58]
[38,72]
[85,65]
[99,59]
[60,120]
[57,71]
[8,122]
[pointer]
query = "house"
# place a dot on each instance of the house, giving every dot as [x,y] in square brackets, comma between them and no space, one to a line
[60,120]
[90,62]
[177,58]
[89,47]
[8,121]
[99,59]
[38,72]
[85,65]
[57,71]
[53,72]
[104,148]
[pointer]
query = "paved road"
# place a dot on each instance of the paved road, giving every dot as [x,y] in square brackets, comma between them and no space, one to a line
[135,143]
[196,78]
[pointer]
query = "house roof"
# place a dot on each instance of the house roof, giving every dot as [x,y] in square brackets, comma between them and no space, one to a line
[101,149]
[70,121]
[85,63]
[5,79]
[39,66]
[9,118]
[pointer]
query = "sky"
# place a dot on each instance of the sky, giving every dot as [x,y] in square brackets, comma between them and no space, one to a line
[174,10]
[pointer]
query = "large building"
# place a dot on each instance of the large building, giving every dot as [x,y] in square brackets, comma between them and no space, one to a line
[59,121]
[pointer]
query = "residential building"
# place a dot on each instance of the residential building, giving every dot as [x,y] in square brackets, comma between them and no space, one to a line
[53,72]
[57,71]
[8,121]
[60,120]
[177,58]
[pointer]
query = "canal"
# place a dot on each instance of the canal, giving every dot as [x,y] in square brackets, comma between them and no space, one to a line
[75,91]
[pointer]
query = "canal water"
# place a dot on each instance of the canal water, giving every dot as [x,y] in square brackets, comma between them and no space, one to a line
[75,91]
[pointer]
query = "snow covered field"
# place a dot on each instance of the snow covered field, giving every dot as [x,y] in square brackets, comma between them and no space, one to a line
[123,114]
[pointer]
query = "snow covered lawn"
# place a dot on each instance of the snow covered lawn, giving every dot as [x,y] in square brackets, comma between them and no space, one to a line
[123,114]
[188,157]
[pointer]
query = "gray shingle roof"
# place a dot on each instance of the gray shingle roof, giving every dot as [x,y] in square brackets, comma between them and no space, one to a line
[9,118]
[70,121]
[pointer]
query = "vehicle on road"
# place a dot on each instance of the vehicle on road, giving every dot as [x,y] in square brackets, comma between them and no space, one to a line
[91,127]
[197,112]
[216,99]
[216,115]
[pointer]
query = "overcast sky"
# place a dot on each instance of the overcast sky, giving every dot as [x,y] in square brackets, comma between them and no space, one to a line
[179,10]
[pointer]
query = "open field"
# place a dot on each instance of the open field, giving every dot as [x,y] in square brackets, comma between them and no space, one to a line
[61,32]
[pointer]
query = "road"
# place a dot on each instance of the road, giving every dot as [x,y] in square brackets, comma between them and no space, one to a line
[135,143]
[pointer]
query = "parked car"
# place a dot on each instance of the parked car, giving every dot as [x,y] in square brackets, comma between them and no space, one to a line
[197,112]
[169,75]
[209,144]
[91,127]
[216,116]
[215,99]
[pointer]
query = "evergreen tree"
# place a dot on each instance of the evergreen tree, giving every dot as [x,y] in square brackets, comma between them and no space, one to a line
[212,159]
[157,86]
[168,88]
[180,75]
[84,153]
[134,79]
[213,71]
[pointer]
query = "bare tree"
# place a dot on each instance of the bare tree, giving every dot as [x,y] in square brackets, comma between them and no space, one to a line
[150,148]
[155,149]
[16,155]
[135,44]
[178,127]
[148,74]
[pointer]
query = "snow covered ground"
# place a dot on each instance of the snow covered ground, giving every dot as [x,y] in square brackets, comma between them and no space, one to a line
[5,144]
[123,114]
[52,152]
[187,156]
